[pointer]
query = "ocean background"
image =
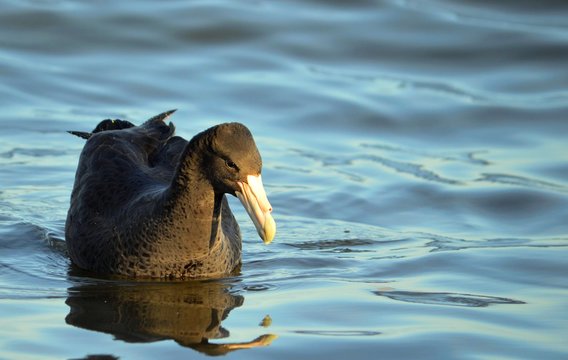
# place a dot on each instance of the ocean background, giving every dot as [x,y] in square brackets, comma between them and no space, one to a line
[415,154]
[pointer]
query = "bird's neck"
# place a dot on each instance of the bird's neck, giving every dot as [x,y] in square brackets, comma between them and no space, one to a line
[191,206]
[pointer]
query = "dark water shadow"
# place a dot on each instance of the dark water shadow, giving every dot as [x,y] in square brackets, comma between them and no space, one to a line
[190,313]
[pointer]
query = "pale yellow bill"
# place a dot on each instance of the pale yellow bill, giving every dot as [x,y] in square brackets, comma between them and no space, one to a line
[253,197]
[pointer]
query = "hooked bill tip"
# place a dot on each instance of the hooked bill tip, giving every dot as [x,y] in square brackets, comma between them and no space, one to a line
[269,229]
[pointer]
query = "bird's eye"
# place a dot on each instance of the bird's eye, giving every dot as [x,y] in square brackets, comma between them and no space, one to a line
[231,164]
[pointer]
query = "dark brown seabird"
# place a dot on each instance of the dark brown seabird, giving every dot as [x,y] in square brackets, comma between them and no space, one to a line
[147,203]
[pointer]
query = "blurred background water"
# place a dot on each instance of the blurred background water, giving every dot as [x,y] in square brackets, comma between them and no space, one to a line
[415,155]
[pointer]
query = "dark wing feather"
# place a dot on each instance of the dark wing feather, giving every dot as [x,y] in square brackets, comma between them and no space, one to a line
[105,125]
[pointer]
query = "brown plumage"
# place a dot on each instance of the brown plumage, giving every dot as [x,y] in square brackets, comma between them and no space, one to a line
[147,203]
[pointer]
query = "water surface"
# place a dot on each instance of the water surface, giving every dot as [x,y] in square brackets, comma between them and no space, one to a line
[414,152]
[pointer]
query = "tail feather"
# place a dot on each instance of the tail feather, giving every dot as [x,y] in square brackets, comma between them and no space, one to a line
[155,123]
[81,134]
[104,125]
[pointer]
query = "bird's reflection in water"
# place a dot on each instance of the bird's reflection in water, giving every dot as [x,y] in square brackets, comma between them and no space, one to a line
[188,312]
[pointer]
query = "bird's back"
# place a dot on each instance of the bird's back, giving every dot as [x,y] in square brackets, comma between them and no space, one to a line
[121,174]
[117,166]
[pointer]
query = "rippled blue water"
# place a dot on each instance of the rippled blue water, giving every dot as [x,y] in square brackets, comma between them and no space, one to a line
[415,154]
